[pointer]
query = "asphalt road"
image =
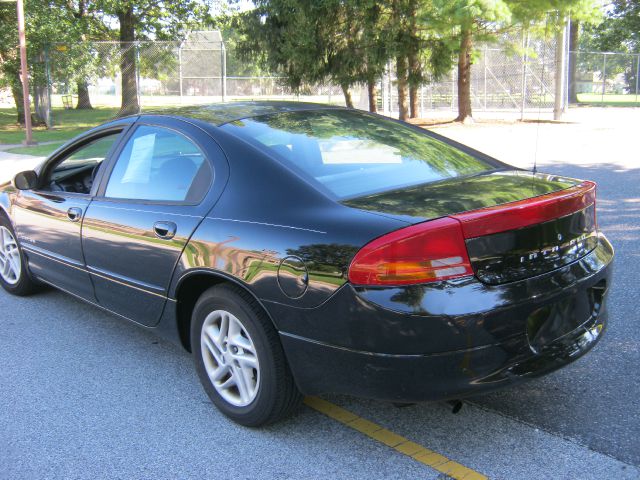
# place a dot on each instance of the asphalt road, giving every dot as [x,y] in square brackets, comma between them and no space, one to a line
[86,395]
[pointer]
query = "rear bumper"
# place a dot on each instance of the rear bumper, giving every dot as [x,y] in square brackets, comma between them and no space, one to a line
[452,340]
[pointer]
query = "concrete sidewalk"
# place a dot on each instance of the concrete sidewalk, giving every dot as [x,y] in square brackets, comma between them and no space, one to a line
[12,163]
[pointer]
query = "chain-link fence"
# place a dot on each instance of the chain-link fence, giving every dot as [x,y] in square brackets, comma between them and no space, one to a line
[605,78]
[501,79]
[142,75]
[516,77]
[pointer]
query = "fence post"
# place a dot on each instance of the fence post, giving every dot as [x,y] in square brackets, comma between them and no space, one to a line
[525,46]
[137,47]
[567,36]
[637,75]
[484,65]
[453,86]
[389,96]
[604,76]
[180,69]
[560,63]
[223,76]
[383,95]
[432,104]
[47,71]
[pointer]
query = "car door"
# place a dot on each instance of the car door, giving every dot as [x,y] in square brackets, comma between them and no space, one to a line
[48,219]
[157,191]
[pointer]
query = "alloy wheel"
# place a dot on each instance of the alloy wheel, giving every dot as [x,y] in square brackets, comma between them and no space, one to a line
[10,264]
[230,358]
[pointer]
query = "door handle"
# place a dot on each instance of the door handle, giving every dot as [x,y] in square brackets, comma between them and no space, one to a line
[164,230]
[74,214]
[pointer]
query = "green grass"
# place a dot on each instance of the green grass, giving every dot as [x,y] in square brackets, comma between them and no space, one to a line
[609,100]
[36,150]
[67,124]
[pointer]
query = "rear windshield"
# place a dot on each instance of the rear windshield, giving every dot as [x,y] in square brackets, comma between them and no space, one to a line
[352,153]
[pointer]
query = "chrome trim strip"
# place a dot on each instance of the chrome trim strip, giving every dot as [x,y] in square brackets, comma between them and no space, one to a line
[56,258]
[123,281]
[100,205]
[267,224]
[94,271]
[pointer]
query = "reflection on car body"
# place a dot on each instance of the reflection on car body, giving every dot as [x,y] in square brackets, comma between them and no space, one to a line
[300,248]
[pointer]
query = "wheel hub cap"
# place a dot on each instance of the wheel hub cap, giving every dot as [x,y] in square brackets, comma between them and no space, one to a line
[10,265]
[230,358]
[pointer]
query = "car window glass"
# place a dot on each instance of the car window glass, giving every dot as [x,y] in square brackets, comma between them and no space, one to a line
[77,171]
[159,164]
[352,153]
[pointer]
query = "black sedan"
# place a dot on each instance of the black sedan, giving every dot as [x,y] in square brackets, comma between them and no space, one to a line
[299,248]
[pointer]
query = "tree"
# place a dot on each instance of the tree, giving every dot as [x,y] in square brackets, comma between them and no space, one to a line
[86,24]
[427,52]
[42,23]
[295,39]
[374,43]
[467,22]
[404,44]
[145,19]
[282,37]
[618,32]
[80,62]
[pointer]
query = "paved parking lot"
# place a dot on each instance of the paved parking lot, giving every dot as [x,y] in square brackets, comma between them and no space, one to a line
[86,395]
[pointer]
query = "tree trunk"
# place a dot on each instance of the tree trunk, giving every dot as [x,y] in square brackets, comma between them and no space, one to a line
[128,63]
[18,98]
[401,74]
[464,76]
[415,71]
[372,91]
[347,96]
[413,101]
[574,36]
[84,102]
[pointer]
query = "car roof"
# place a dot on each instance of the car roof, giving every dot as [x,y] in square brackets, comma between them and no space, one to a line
[221,113]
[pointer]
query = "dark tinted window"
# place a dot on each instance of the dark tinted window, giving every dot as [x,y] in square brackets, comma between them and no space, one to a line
[352,153]
[162,165]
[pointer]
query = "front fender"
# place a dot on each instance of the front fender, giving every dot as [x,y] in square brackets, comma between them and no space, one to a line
[7,191]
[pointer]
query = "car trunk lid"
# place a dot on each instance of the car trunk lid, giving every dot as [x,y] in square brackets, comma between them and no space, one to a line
[515,224]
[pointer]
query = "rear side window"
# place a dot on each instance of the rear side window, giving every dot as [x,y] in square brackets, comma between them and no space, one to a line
[159,164]
[352,153]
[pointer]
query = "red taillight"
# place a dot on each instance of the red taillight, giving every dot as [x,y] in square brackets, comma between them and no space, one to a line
[426,252]
[511,216]
[436,250]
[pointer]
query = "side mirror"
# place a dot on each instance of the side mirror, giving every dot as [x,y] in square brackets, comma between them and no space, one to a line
[26,180]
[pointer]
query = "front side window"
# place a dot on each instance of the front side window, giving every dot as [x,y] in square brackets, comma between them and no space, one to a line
[351,153]
[76,172]
[158,164]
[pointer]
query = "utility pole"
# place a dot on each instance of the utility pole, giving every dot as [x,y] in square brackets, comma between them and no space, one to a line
[561,38]
[24,73]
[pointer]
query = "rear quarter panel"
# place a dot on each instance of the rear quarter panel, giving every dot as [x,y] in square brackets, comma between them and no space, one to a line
[252,251]
[266,214]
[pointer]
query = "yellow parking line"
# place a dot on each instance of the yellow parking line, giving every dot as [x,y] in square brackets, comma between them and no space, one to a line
[397,442]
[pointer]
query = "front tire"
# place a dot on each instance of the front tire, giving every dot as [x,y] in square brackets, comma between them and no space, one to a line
[239,358]
[14,273]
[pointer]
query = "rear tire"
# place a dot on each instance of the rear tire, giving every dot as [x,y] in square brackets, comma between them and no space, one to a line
[239,358]
[14,273]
